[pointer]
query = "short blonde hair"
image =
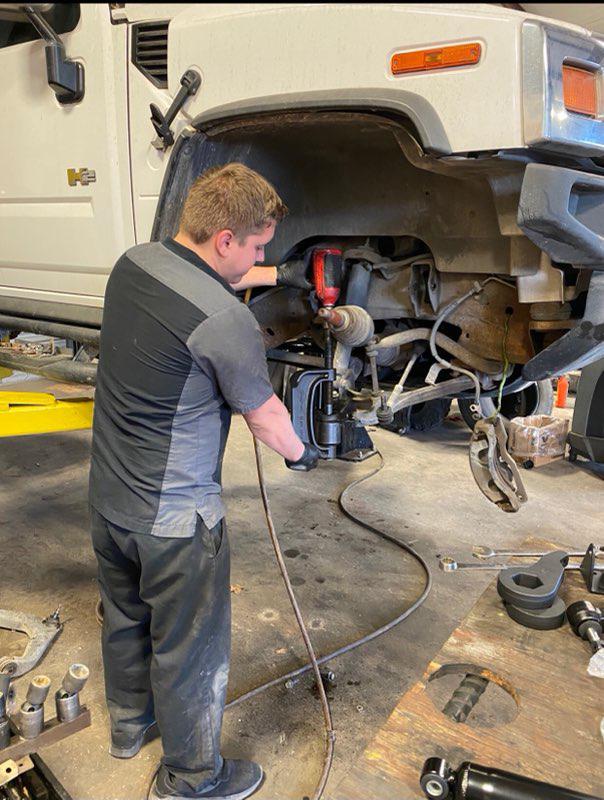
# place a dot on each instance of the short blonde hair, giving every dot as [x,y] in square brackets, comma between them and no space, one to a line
[232,196]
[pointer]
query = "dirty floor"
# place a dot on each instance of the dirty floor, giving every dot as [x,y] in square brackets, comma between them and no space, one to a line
[347,580]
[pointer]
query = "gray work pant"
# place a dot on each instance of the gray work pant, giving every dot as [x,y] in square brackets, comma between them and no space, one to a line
[166,642]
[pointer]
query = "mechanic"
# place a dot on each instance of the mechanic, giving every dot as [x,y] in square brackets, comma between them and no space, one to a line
[179,352]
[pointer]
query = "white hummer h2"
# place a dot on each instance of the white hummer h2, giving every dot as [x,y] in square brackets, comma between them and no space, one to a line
[449,152]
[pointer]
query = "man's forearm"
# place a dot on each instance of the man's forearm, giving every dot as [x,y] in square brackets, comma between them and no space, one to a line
[257,276]
[272,425]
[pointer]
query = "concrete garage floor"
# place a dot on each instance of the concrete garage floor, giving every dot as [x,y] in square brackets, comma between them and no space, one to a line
[347,580]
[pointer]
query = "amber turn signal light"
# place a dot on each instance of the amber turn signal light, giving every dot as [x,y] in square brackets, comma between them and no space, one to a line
[580,90]
[458,55]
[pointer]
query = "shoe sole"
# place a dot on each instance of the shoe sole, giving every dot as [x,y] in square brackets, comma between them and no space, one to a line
[130,752]
[153,795]
[246,793]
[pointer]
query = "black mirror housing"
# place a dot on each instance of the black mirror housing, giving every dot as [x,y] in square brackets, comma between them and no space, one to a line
[65,77]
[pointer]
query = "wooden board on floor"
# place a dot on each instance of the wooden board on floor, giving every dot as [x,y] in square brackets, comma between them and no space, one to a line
[555,736]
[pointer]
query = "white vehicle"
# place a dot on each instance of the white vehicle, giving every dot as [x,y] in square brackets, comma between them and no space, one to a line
[434,146]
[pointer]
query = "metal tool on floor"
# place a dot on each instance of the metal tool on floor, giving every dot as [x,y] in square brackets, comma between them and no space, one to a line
[67,698]
[475,782]
[28,730]
[530,593]
[41,634]
[484,553]
[533,586]
[31,715]
[587,622]
[591,566]
[448,564]
[23,774]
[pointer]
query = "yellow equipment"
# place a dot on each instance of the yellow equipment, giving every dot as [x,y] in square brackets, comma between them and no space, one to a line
[26,413]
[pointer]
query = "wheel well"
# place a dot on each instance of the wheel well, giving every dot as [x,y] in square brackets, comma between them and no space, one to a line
[345,174]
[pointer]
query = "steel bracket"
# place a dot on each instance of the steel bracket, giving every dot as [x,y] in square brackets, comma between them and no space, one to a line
[493,468]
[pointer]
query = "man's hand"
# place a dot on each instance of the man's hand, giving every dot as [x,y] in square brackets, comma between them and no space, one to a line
[296,273]
[307,461]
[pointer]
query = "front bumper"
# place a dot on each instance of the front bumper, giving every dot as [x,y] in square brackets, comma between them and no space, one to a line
[562,212]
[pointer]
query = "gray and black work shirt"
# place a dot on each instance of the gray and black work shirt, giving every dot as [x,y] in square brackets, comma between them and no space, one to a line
[178,353]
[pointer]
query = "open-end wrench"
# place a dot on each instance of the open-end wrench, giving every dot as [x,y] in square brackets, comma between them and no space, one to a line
[480,551]
[448,564]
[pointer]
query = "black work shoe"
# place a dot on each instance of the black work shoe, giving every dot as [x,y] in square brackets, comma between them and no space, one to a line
[121,747]
[237,780]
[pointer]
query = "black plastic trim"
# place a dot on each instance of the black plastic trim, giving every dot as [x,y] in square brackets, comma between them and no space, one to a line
[149,52]
[552,216]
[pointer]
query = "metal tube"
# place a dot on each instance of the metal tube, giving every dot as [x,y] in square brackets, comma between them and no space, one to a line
[457,350]
[76,333]
[328,399]
[38,689]
[449,388]
[68,706]
[479,782]
[331,316]
[31,721]
[53,367]
[75,678]
[398,389]
[475,782]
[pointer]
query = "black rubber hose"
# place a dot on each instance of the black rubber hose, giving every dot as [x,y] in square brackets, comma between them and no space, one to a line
[318,793]
[379,631]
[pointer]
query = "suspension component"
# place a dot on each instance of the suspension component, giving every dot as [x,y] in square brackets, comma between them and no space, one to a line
[474,782]
[4,723]
[465,697]
[494,469]
[587,622]
[350,325]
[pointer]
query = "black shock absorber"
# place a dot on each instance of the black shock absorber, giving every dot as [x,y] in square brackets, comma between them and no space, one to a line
[474,782]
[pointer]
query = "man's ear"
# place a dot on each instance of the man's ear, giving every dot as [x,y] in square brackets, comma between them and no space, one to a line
[223,241]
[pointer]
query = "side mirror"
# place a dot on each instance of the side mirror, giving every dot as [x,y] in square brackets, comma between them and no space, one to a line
[65,77]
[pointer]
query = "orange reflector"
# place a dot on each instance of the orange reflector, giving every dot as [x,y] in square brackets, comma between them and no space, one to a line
[580,90]
[458,55]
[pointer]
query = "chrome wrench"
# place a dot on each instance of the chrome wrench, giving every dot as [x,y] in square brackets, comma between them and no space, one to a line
[479,551]
[448,564]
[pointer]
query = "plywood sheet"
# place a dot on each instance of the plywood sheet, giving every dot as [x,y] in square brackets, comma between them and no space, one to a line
[554,737]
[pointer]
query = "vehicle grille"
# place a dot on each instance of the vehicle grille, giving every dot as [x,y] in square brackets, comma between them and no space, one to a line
[150,51]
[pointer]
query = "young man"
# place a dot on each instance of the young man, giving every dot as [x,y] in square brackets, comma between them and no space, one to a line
[179,353]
